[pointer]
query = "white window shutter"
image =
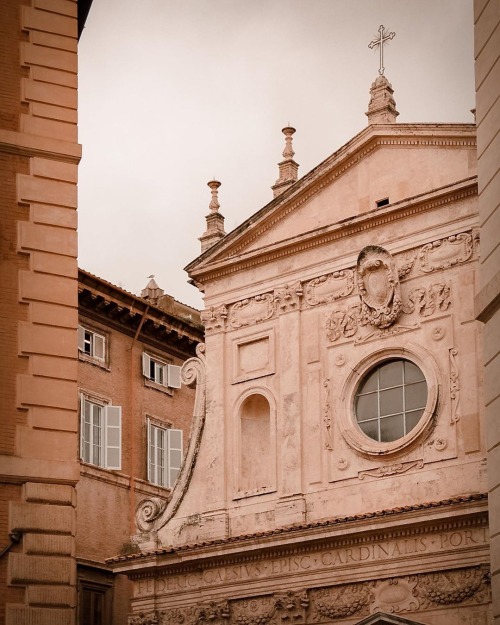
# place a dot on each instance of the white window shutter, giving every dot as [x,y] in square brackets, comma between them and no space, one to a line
[174,455]
[149,442]
[82,420]
[174,376]
[113,437]
[81,338]
[99,346]
[146,360]
[164,375]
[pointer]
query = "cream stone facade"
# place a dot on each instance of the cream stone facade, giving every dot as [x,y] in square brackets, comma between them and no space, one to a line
[347,302]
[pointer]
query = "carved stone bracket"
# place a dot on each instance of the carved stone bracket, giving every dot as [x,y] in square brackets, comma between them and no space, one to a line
[445,253]
[454,386]
[392,469]
[153,513]
[252,310]
[291,607]
[214,319]
[329,288]
[288,297]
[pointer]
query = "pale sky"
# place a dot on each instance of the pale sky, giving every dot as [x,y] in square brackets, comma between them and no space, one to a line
[173,93]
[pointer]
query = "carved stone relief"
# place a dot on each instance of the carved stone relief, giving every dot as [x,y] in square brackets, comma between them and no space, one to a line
[427,301]
[214,319]
[451,587]
[392,469]
[327,419]
[454,385]
[252,310]
[291,607]
[445,253]
[340,602]
[288,298]
[378,286]
[328,288]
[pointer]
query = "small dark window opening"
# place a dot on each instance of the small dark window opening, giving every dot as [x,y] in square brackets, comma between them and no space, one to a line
[383,202]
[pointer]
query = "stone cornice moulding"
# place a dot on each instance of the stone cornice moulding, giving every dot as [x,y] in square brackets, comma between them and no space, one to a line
[348,227]
[410,520]
[22,144]
[365,142]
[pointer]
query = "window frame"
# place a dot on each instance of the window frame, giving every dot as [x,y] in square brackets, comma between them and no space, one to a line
[94,355]
[154,427]
[110,421]
[168,374]
[348,423]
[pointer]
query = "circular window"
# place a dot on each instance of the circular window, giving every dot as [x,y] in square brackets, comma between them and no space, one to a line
[390,400]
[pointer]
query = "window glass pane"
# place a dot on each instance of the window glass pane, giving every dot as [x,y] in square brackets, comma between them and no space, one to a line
[370,428]
[412,372]
[370,384]
[391,428]
[391,374]
[415,396]
[391,401]
[412,418]
[367,407]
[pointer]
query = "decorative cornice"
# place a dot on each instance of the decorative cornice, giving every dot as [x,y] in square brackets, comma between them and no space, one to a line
[345,228]
[365,142]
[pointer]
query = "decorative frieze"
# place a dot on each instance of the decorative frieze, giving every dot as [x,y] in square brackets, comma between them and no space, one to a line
[452,587]
[340,602]
[288,298]
[426,301]
[447,252]
[252,310]
[329,288]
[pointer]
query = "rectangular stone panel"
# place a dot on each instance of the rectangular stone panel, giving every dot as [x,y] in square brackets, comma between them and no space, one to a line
[49,22]
[55,215]
[61,596]
[46,191]
[26,615]
[48,128]
[47,168]
[41,518]
[57,265]
[51,94]
[64,7]
[48,111]
[53,314]
[45,444]
[48,239]
[54,76]
[54,41]
[49,544]
[49,493]
[48,57]
[46,340]
[25,569]
[35,391]
[53,419]
[46,288]
[54,367]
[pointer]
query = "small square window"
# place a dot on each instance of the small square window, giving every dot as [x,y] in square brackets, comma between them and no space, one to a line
[91,343]
[160,372]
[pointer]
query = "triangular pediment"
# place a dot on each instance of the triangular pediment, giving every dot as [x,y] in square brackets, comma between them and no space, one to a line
[384,162]
[382,618]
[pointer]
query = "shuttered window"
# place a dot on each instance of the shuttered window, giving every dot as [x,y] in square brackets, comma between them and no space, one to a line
[100,434]
[91,343]
[164,454]
[160,372]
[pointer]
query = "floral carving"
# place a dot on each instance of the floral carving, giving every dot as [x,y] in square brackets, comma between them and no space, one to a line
[392,469]
[288,297]
[341,601]
[328,288]
[214,319]
[145,619]
[253,612]
[378,286]
[291,606]
[454,385]
[327,420]
[427,301]
[445,253]
[396,595]
[214,612]
[451,587]
[252,310]
[404,270]
[180,616]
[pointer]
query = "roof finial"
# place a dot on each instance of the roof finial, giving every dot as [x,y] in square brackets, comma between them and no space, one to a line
[382,106]
[288,169]
[382,38]
[215,221]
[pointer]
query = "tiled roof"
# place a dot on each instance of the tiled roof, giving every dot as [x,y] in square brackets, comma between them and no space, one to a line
[304,526]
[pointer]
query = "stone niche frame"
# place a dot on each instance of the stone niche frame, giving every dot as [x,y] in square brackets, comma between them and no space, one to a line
[240,493]
[349,428]
[266,339]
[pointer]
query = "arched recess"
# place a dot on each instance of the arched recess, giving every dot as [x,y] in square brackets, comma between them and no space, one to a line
[256,443]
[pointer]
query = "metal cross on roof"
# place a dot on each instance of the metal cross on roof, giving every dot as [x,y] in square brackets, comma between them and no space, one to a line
[382,38]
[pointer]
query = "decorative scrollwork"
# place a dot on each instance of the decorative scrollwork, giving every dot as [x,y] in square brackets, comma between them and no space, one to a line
[445,253]
[329,288]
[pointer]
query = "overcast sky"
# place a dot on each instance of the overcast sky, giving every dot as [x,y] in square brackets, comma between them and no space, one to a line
[173,93]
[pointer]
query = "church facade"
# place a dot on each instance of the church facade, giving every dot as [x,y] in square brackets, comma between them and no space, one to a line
[336,470]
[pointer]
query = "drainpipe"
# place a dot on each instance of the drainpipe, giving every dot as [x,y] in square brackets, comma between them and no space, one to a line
[132,413]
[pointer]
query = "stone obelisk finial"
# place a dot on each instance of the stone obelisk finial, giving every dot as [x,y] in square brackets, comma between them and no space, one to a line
[382,106]
[288,168]
[215,221]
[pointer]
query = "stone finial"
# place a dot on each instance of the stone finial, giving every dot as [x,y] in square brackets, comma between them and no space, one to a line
[382,106]
[215,221]
[152,291]
[288,168]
